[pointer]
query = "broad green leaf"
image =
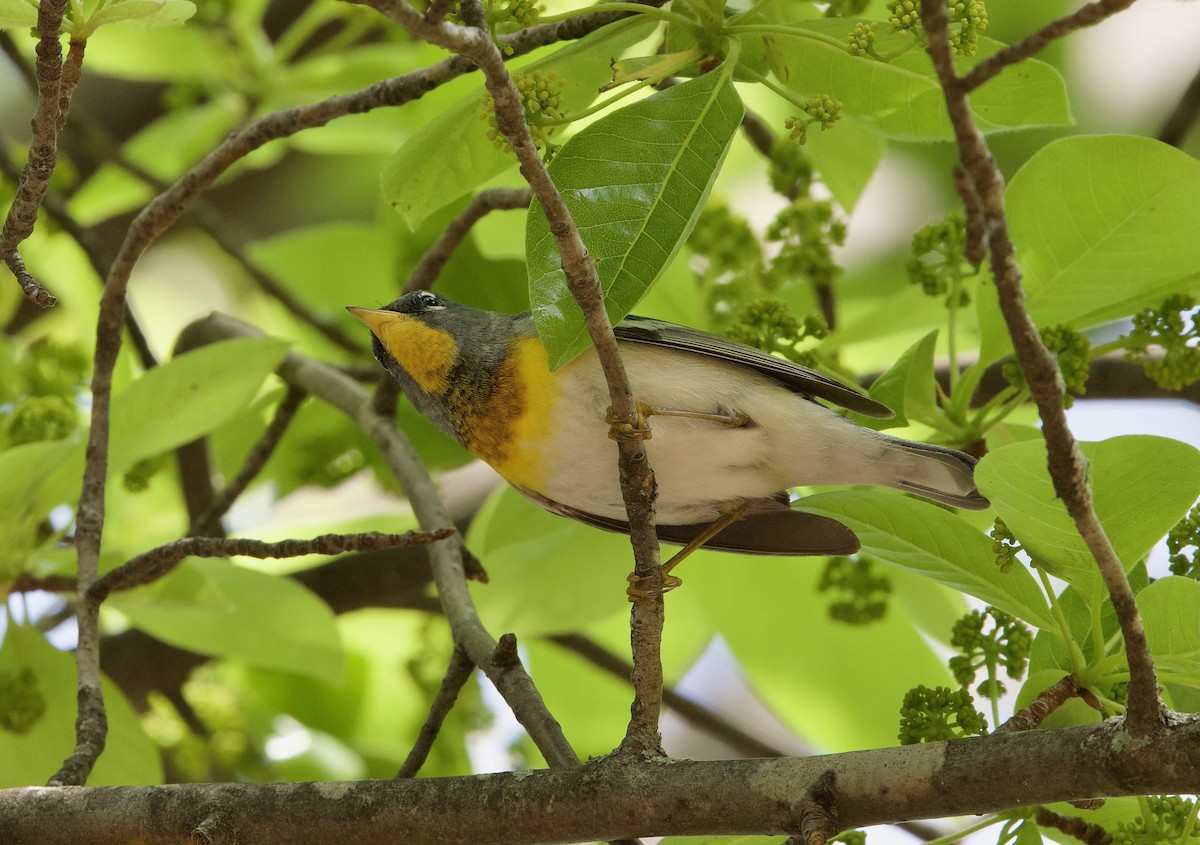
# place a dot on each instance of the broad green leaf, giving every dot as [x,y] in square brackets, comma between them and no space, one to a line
[933,542]
[23,472]
[308,260]
[451,154]
[1103,228]
[146,14]
[395,660]
[214,607]
[769,613]
[1141,486]
[906,388]
[164,148]
[524,549]
[901,99]
[188,397]
[18,14]
[46,719]
[845,157]
[137,14]
[1170,610]
[635,181]
[185,53]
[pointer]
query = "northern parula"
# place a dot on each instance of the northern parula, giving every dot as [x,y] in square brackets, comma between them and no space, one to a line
[732,428]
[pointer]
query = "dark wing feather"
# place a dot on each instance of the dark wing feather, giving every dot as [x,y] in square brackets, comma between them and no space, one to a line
[769,527]
[792,376]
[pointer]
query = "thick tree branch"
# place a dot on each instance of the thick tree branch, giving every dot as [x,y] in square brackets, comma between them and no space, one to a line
[623,797]
[1068,467]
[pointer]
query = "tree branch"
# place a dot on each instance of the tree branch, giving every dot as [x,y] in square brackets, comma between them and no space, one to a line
[1068,468]
[767,797]
[457,674]
[493,199]
[1183,117]
[1089,15]
[43,151]
[327,384]
[259,454]
[637,479]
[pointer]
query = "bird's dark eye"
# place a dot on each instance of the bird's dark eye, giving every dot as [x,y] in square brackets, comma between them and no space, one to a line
[427,299]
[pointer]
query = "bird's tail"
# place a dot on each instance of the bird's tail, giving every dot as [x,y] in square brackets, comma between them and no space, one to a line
[934,472]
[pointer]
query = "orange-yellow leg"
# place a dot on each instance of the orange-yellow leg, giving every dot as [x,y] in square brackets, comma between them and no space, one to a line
[636,590]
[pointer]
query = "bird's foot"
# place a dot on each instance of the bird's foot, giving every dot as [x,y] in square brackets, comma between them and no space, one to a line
[640,586]
[621,430]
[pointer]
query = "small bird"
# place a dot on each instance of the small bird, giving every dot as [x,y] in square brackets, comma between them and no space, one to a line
[731,428]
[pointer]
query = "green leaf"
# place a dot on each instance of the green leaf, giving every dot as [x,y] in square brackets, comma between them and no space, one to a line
[18,14]
[901,99]
[754,603]
[146,14]
[395,660]
[906,388]
[186,53]
[1170,610]
[188,397]
[524,549]
[215,607]
[1141,486]
[451,154]
[933,542]
[1102,227]
[23,473]
[635,182]
[846,157]
[48,707]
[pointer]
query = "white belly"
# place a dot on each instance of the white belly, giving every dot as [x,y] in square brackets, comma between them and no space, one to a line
[700,466]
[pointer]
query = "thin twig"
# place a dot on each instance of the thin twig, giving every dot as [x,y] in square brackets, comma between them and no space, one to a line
[1068,467]
[457,674]
[329,385]
[493,199]
[1183,117]
[43,150]
[71,72]
[638,489]
[151,222]
[223,234]
[1034,43]
[1084,831]
[93,248]
[693,712]
[255,461]
[1049,700]
[154,564]
[30,286]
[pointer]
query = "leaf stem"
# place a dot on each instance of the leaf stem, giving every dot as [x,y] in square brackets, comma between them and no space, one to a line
[958,835]
[774,86]
[1078,664]
[638,8]
[1190,824]
[1099,646]
[778,29]
[620,95]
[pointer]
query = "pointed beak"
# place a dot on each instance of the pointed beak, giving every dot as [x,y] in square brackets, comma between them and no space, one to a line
[377,320]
